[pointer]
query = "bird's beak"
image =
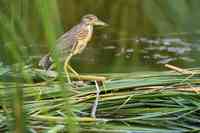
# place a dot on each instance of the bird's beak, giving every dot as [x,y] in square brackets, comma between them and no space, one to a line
[99,22]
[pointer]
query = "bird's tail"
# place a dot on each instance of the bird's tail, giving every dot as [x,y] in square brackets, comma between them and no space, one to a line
[46,62]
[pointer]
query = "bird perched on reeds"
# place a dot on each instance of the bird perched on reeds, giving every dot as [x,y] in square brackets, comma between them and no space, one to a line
[72,42]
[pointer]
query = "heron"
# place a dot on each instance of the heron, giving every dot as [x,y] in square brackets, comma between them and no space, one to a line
[71,43]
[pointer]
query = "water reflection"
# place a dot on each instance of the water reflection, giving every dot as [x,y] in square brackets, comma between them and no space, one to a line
[166,50]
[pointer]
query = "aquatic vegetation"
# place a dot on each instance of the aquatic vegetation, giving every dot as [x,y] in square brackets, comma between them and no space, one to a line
[144,101]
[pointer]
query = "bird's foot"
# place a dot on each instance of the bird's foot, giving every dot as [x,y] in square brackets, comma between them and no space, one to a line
[89,77]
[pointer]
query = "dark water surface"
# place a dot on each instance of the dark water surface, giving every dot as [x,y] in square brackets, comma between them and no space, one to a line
[143,34]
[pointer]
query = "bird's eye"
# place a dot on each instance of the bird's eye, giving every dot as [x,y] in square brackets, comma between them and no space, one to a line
[92,18]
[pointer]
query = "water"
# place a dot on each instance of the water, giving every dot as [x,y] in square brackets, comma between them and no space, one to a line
[143,53]
[143,35]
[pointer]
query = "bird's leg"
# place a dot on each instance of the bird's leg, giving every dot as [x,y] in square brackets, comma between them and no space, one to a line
[77,76]
[66,67]
[66,72]
[84,77]
[72,70]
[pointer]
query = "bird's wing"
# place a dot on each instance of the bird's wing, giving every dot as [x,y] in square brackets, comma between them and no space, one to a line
[66,42]
[69,40]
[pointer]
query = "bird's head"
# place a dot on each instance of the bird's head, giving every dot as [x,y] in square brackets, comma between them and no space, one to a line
[92,20]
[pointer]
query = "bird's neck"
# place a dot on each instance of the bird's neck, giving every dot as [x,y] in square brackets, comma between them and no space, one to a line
[90,27]
[90,32]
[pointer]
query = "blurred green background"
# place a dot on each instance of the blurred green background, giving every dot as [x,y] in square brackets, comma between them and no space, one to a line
[143,34]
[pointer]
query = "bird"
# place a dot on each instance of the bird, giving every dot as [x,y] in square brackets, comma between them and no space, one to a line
[71,43]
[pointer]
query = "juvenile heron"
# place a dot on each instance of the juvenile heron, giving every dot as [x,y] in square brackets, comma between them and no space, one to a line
[72,42]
